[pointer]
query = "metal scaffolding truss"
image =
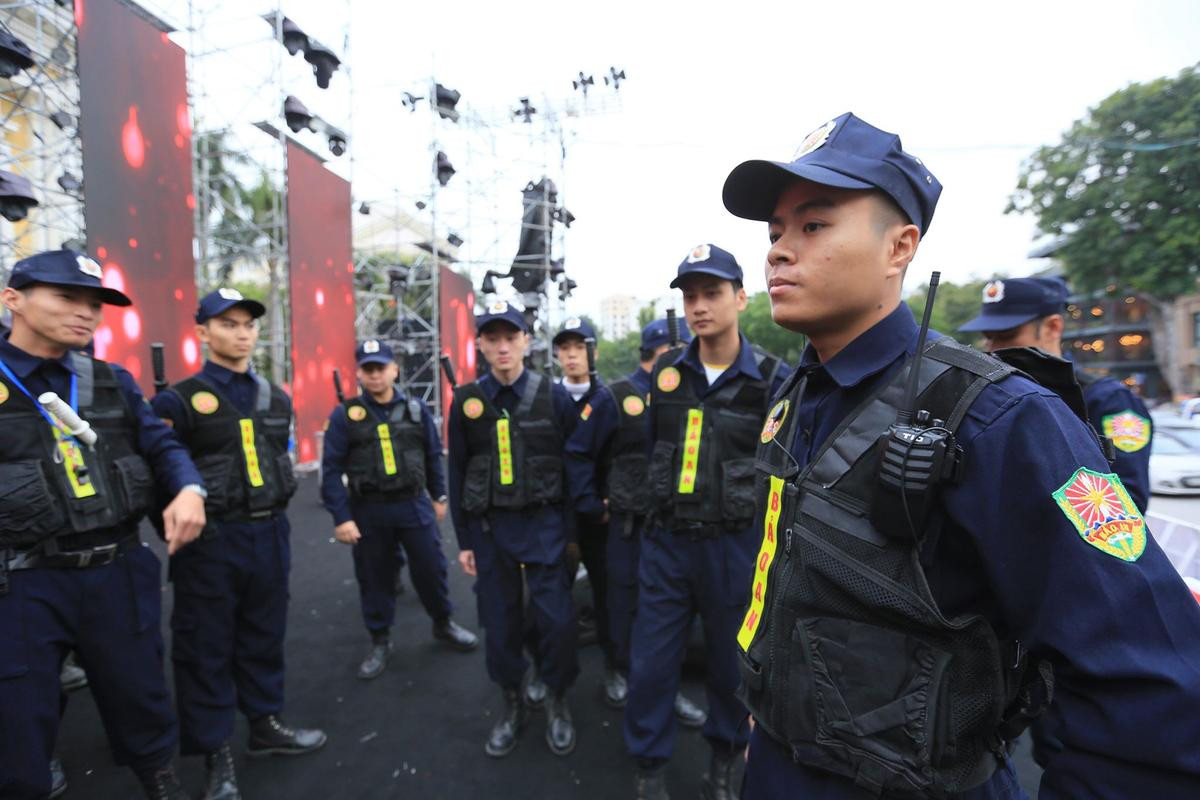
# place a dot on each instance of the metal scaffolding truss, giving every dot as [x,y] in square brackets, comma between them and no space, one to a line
[39,120]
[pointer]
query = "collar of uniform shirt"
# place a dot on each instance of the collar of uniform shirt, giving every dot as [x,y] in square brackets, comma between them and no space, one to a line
[870,353]
[223,374]
[746,363]
[23,364]
[492,387]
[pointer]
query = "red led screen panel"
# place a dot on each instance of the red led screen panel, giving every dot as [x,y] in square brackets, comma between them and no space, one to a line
[322,287]
[137,175]
[457,321]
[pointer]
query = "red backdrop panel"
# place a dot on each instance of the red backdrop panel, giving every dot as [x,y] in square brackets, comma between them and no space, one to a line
[457,321]
[322,288]
[137,174]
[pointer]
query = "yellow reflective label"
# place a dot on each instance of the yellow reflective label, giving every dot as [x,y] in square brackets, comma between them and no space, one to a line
[72,460]
[765,556]
[504,451]
[691,451]
[250,452]
[385,446]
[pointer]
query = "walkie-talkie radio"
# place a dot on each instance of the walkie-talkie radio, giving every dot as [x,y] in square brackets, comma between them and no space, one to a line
[916,454]
[672,328]
[158,366]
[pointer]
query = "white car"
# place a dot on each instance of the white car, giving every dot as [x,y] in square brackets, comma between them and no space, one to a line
[1175,460]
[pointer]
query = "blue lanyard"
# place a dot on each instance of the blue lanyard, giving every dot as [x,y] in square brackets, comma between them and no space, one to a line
[74,399]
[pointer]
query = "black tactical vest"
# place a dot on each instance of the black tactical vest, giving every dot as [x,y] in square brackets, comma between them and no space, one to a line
[54,488]
[847,660]
[627,473]
[243,459]
[514,462]
[386,458]
[702,465]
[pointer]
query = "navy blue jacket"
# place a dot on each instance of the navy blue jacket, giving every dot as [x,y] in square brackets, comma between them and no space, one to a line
[1124,636]
[587,449]
[172,465]
[1112,408]
[406,513]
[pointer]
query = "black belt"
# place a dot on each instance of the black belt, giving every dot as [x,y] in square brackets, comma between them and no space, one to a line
[386,497]
[39,558]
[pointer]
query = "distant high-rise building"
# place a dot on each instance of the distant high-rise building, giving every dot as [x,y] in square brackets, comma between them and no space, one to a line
[618,315]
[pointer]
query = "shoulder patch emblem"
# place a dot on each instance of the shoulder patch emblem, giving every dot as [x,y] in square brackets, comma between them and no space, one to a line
[586,412]
[356,413]
[633,405]
[1103,513]
[1128,431]
[3,393]
[775,420]
[668,379]
[472,408]
[205,402]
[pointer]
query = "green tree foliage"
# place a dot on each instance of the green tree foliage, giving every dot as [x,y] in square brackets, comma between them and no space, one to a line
[953,306]
[760,329]
[616,358]
[1123,189]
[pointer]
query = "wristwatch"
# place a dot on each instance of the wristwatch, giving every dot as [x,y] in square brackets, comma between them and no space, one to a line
[197,488]
[442,499]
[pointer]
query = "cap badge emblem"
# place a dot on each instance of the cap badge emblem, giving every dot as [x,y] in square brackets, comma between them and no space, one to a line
[498,307]
[699,253]
[89,267]
[993,292]
[230,294]
[573,322]
[814,140]
[371,346]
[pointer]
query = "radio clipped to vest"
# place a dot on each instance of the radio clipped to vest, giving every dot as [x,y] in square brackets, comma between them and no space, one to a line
[916,455]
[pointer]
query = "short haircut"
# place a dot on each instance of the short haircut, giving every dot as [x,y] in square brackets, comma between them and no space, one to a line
[645,354]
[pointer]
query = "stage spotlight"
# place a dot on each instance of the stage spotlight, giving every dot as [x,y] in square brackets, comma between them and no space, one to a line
[614,78]
[583,82]
[454,239]
[15,55]
[526,111]
[410,100]
[62,120]
[556,269]
[69,182]
[364,209]
[444,101]
[532,301]
[324,62]
[565,217]
[445,170]
[297,115]
[420,205]
[397,280]
[16,196]
[337,140]
[566,287]
[489,283]
[294,39]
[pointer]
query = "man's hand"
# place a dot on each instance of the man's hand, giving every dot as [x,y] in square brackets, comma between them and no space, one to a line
[439,510]
[466,560]
[347,532]
[183,519]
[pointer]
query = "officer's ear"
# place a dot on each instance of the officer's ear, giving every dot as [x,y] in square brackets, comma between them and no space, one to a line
[1052,328]
[202,332]
[12,298]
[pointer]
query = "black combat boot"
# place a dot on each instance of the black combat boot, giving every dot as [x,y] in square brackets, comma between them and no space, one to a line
[377,657]
[162,784]
[717,783]
[650,784]
[270,737]
[616,689]
[507,730]
[560,730]
[220,781]
[688,713]
[58,777]
[455,635]
[535,692]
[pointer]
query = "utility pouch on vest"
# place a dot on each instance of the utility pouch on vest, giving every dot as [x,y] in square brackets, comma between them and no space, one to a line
[287,475]
[27,505]
[135,483]
[629,490]
[737,490]
[223,481]
[545,479]
[663,470]
[477,484]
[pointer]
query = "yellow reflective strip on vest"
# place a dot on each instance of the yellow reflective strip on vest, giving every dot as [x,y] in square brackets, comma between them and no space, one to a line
[72,463]
[251,453]
[691,451]
[765,556]
[504,450]
[385,444]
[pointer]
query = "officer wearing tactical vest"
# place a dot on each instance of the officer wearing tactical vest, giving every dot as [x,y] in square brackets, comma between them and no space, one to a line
[388,447]
[896,643]
[706,403]
[506,498]
[607,474]
[1028,312]
[231,588]
[73,574]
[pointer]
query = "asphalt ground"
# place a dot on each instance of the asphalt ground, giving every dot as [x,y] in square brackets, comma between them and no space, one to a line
[418,730]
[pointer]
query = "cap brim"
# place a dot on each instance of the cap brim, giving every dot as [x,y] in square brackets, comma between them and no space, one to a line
[480,325]
[112,297]
[558,337]
[375,358]
[679,279]
[997,322]
[753,187]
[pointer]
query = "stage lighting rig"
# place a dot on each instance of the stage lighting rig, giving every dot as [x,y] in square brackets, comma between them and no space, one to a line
[294,39]
[583,82]
[16,196]
[337,139]
[70,183]
[557,269]
[410,100]
[15,55]
[297,115]
[324,62]
[443,168]
[398,280]
[565,287]
[489,281]
[364,208]
[614,78]
[62,120]
[454,239]
[525,112]
[444,101]
[561,214]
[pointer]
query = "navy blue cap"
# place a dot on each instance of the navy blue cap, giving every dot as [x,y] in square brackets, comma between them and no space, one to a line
[501,311]
[708,259]
[1007,304]
[658,333]
[373,351]
[575,326]
[846,153]
[216,303]
[65,268]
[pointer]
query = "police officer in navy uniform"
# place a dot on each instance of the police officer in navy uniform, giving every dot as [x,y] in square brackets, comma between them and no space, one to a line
[894,642]
[707,403]
[387,446]
[507,431]
[73,574]
[607,471]
[1028,312]
[231,587]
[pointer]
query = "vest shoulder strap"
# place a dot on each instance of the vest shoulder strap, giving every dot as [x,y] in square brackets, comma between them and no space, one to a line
[532,386]
[85,378]
[768,365]
[262,397]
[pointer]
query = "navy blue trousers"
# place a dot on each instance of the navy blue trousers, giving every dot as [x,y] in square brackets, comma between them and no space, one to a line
[502,613]
[228,626]
[623,548]
[593,552]
[680,577]
[111,616]
[377,557]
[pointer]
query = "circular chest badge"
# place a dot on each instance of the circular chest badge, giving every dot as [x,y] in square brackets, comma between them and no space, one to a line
[473,408]
[633,405]
[356,413]
[205,402]
[668,379]
[774,421]
[3,393]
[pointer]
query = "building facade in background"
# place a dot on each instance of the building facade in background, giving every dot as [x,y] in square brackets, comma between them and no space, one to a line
[618,315]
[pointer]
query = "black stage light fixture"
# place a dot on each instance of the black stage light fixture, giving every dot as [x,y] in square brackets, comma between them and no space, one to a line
[533,248]
[16,196]
[397,280]
[565,287]
[15,55]
[489,282]
[614,78]
[337,140]
[583,82]
[445,170]
[69,182]
[294,39]
[62,120]
[557,269]
[297,115]
[444,101]
[454,239]
[420,205]
[565,217]
[364,208]
[532,302]
[525,112]
[410,100]
[324,62]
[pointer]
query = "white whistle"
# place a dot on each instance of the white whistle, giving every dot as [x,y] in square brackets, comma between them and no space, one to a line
[78,427]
